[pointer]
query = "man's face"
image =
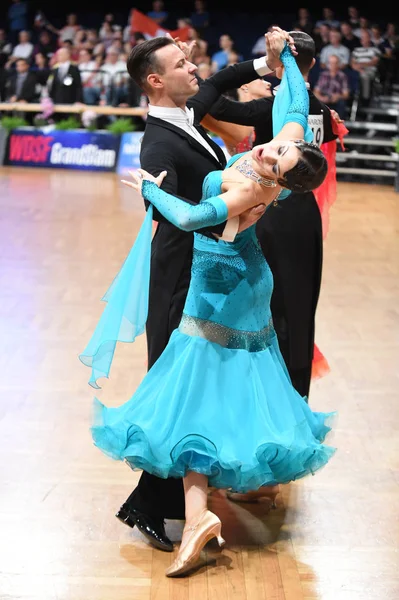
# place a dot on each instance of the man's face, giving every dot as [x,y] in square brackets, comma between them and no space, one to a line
[112,56]
[225,42]
[178,74]
[333,63]
[84,56]
[365,38]
[324,30]
[63,55]
[22,66]
[346,29]
[335,37]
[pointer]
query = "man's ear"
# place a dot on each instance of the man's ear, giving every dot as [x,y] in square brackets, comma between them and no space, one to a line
[312,64]
[154,81]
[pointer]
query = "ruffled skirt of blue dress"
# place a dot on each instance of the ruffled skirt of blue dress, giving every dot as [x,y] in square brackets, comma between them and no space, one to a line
[230,414]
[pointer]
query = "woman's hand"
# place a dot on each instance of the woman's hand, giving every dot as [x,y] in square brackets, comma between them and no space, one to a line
[142,175]
[336,116]
[187,49]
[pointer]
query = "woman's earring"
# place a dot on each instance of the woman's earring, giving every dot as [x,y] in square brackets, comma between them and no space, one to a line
[275,201]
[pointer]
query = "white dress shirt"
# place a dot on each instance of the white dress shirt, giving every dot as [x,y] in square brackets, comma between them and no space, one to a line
[63,69]
[23,50]
[184,118]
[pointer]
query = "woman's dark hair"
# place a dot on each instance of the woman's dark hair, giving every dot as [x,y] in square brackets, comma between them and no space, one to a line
[142,60]
[310,170]
[45,57]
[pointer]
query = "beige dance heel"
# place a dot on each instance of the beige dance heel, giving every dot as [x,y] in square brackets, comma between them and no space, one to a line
[208,527]
[269,492]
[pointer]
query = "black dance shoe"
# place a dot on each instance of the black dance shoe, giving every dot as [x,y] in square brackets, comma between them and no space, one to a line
[152,528]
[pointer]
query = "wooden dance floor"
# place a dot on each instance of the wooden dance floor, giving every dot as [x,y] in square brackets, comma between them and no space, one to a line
[63,236]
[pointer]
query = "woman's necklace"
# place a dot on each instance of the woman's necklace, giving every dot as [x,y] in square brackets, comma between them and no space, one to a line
[245,168]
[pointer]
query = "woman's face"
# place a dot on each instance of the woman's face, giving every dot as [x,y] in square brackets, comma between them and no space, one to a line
[39,59]
[258,88]
[274,159]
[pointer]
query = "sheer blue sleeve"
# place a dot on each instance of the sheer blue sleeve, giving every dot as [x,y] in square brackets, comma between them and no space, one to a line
[185,216]
[298,110]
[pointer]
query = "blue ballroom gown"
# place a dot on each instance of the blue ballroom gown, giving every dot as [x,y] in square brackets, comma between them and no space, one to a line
[219,400]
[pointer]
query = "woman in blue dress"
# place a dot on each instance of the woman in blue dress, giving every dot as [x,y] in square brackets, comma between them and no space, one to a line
[218,407]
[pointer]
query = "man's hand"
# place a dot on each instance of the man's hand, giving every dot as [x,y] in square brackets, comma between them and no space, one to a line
[251,216]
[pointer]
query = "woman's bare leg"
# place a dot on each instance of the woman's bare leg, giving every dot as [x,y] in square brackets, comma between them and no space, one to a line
[196,499]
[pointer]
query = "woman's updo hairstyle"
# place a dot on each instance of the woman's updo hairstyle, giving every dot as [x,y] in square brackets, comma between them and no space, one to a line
[310,170]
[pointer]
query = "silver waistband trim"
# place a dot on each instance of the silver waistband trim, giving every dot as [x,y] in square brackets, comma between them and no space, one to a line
[234,339]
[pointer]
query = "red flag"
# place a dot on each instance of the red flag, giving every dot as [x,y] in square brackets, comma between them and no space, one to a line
[140,22]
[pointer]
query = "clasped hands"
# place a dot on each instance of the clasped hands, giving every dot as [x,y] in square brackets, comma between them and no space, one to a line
[275,41]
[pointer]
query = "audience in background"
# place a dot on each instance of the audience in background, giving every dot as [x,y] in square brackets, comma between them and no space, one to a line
[353,54]
[46,44]
[304,22]
[328,19]
[5,48]
[335,48]
[322,37]
[353,17]
[21,86]
[348,38]
[24,48]
[363,25]
[221,57]
[200,17]
[65,83]
[332,86]
[365,60]
[42,71]
[158,13]
[17,16]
